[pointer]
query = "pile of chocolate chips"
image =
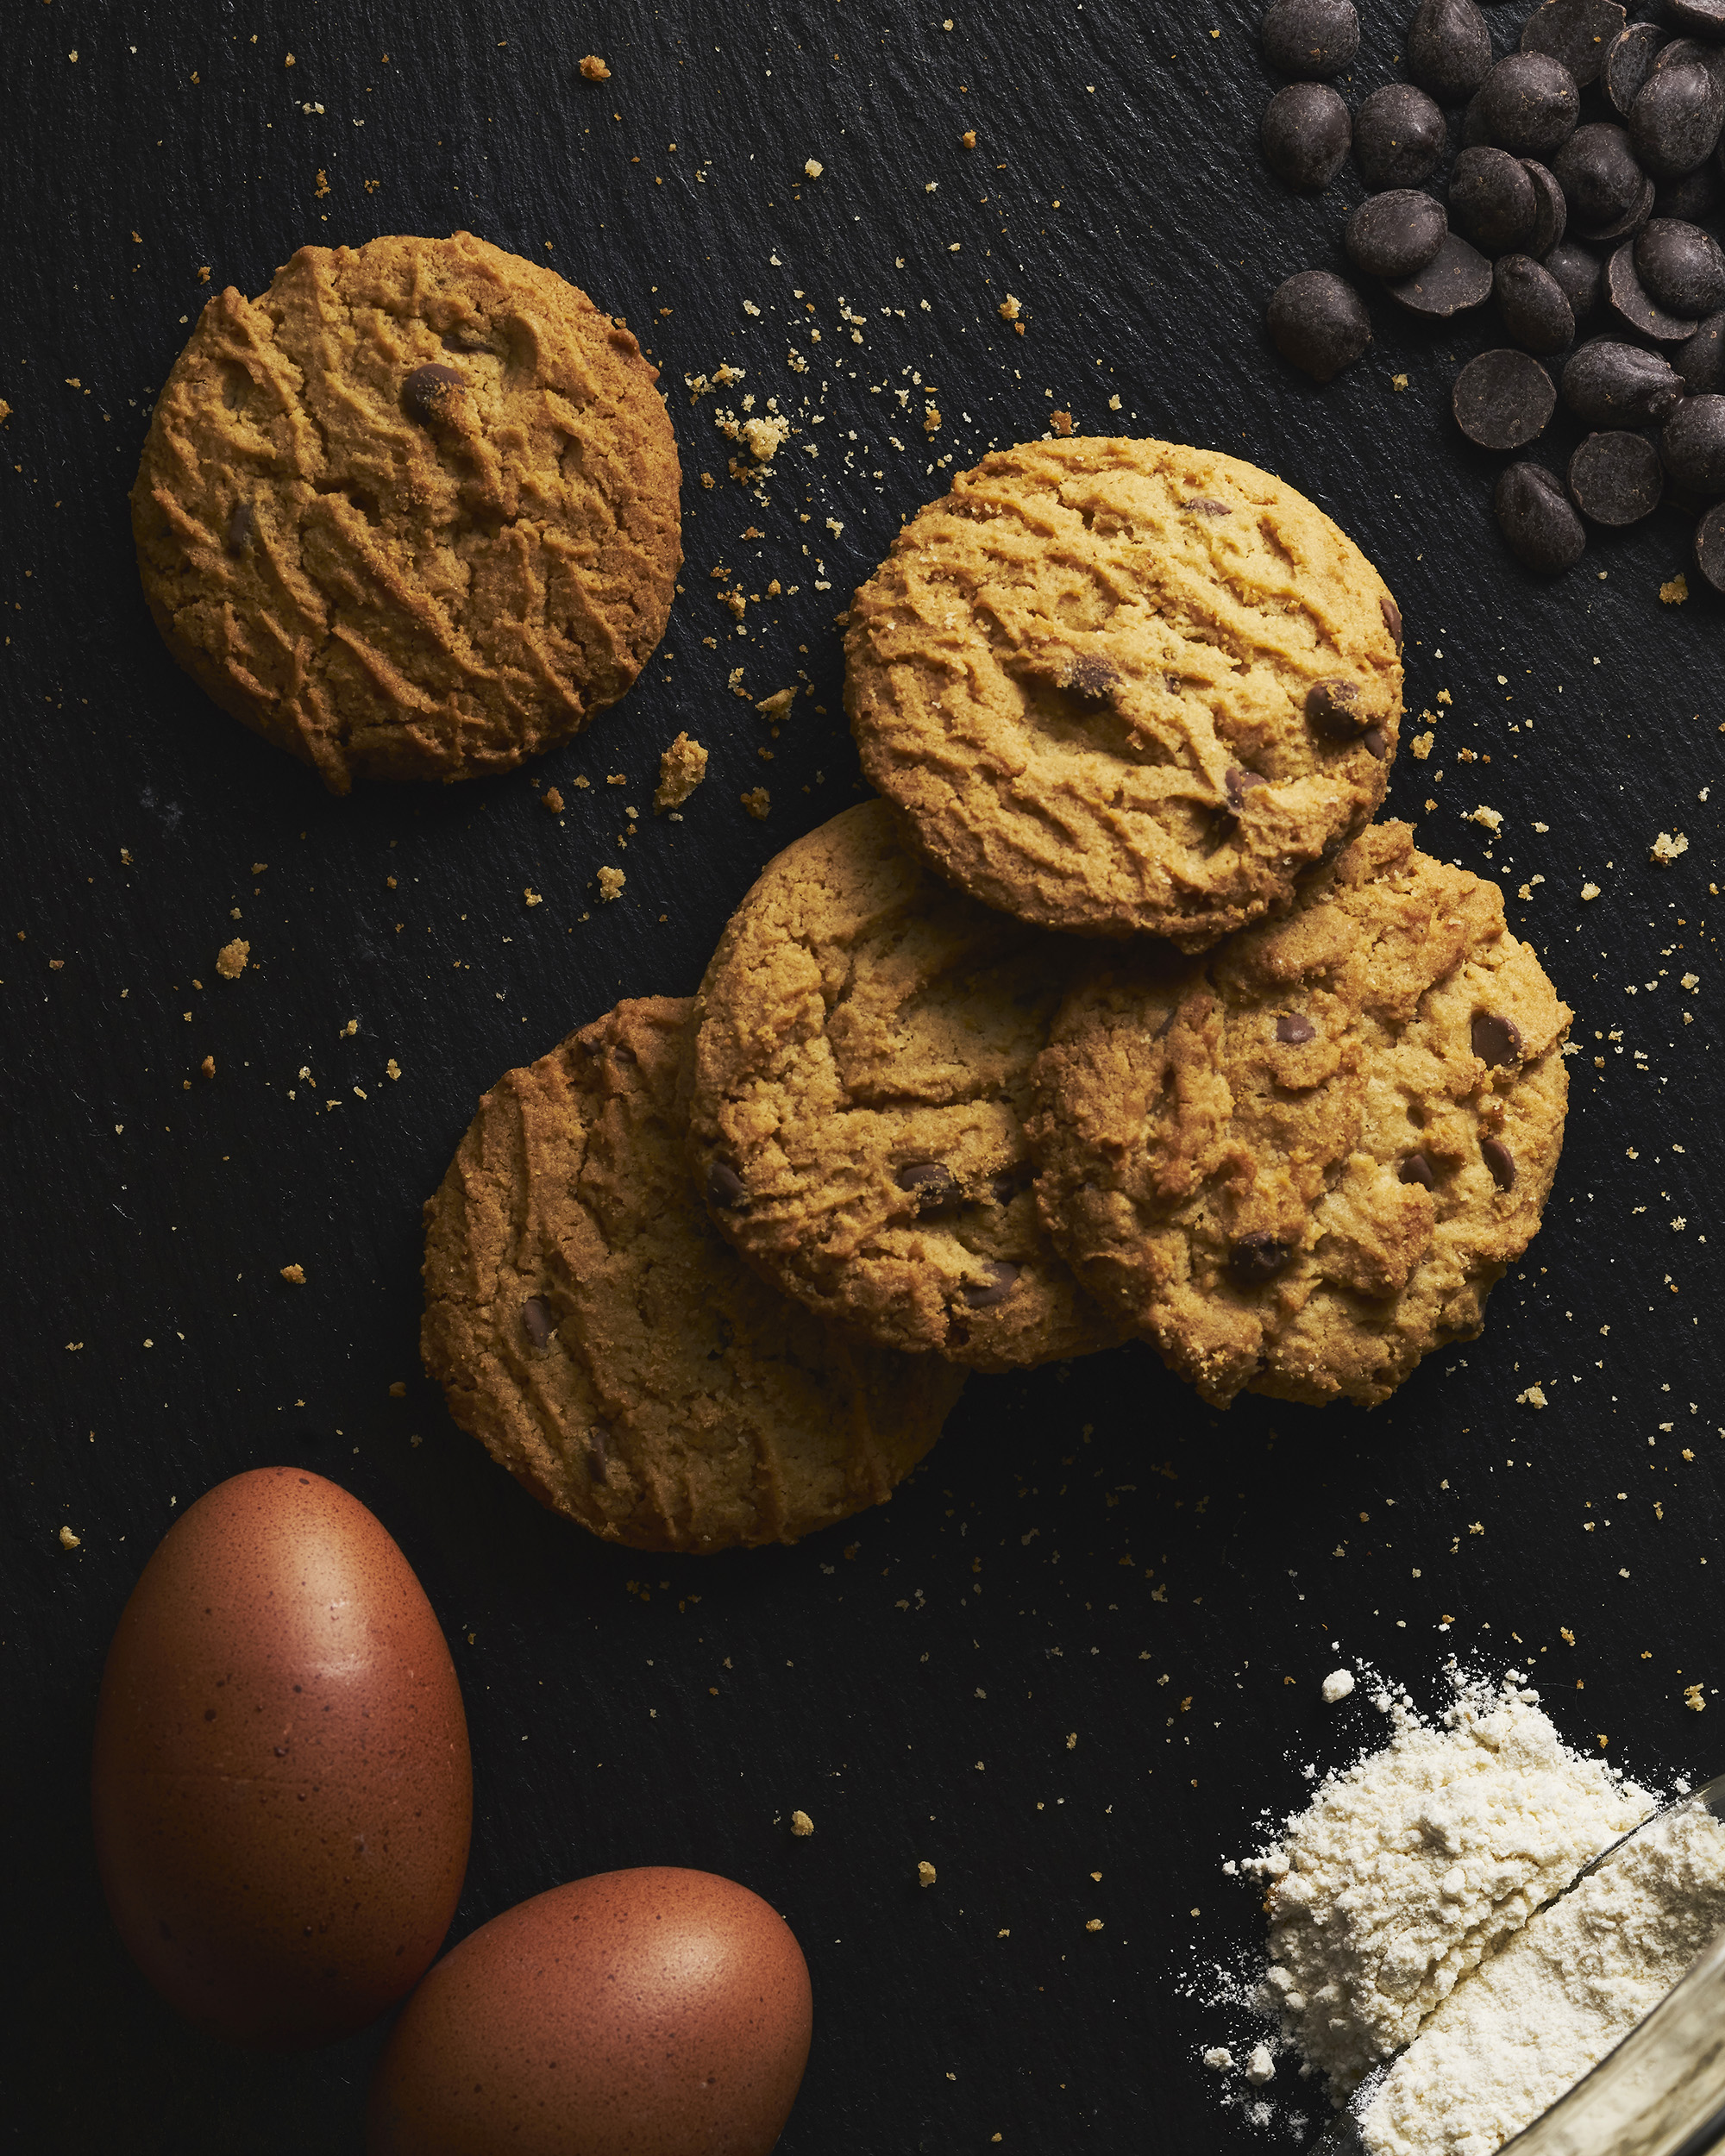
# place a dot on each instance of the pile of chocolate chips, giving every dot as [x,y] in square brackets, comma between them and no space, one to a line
[1583,164]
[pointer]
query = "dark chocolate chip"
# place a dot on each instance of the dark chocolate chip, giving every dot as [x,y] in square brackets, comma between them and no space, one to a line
[1319,323]
[1538,519]
[428,393]
[1333,711]
[243,528]
[1530,103]
[1682,266]
[1256,1259]
[1472,132]
[1093,677]
[1598,171]
[1684,51]
[1699,359]
[1579,32]
[1579,274]
[1497,1040]
[1694,197]
[598,1450]
[1200,506]
[1238,783]
[1709,546]
[1398,137]
[1504,398]
[1293,1028]
[1614,478]
[1692,444]
[1675,121]
[984,1295]
[1630,221]
[1375,742]
[1551,211]
[1628,61]
[1535,310]
[1394,233]
[1392,621]
[1632,303]
[535,1322]
[1457,277]
[1312,39]
[931,1183]
[1609,384]
[1491,200]
[1699,18]
[1305,135]
[725,1188]
[1449,49]
[1500,1161]
[1416,1169]
[1005,1185]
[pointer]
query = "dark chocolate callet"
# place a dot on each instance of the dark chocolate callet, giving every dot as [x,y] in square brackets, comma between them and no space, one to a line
[1392,621]
[1007,1183]
[725,1188]
[243,528]
[1491,199]
[1530,103]
[931,1182]
[1319,323]
[1675,121]
[1551,211]
[429,394]
[1705,18]
[535,1322]
[1504,398]
[1093,677]
[1629,61]
[598,1450]
[1333,711]
[1681,267]
[1579,32]
[1598,171]
[1496,1040]
[984,1295]
[1538,519]
[1608,384]
[1701,359]
[1376,743]
[1416,1169]
[1312,39]
[1692,444]
[1632,302]
[1305,135]
[1579,273]
[1237,784]
[1398,137]
[1394,233]
[1694,197]
[1500,1160]
[1293,1028]
[1709,546]
[1449,49]
[1616,479]
[1534,307]
[1457,277]
[1254,1260]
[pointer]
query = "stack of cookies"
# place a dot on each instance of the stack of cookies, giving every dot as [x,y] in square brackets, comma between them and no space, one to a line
[1114,1016]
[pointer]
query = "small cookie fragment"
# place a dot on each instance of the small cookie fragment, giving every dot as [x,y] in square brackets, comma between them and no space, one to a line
[294,1276]
[758,802]
[925,1873]
[681,769]
[802,1825]
[594,68]
[611,883]
[230,960]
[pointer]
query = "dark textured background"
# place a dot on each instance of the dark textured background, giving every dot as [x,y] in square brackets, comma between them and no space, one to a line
[1089,1553]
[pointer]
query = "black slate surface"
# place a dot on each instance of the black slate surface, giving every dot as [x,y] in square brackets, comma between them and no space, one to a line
[1089,1637]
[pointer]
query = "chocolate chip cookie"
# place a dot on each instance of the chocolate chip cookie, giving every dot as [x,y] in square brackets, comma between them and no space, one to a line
[413,513]
[862,1071]
[1301,1164]
[1122,686]
[612,1350]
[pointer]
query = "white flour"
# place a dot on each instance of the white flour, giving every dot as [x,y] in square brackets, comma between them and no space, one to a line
[1525,2027]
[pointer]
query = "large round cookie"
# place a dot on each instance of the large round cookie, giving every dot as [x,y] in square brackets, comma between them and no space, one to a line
[585,1320]
[412,514]
[1301,1165]
[860,1076]
[1123,686]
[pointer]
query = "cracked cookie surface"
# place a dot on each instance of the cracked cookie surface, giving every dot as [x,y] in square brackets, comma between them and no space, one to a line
[413,513]
[1301,1164]
[1123,686]
[590,1326]
[860,1076]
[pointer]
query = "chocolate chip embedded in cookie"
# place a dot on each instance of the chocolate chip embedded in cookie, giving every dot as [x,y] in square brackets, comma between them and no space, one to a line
[610,1349]
[413,513]
[1301,1165]
[861,1070]
[1122,686]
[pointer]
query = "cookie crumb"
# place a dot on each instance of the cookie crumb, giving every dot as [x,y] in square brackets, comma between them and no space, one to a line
[532,896]
[294,1276]
[757,801]
[1061,422]
[208,1066]
[1589,890]
[1398,381]
[1093,1925]
[802,1825]
[1420,746]
[681,769]
[1010,309]
[1691,1693]
[968,138]
[814,168]
[230,960]
[553,800]
[1533,1397]
[777,706]
[398,1390]
[594,68]
[611,883]
[925,1870]
[70,1541]
[1336,1686]
[1666,849]
[1675,591]
[392,1069]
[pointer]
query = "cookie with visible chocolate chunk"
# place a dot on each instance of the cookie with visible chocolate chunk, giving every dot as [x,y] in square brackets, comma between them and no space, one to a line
[1125,687]
[413,513]
[586,1322]
[861,1075]
[1300,1165]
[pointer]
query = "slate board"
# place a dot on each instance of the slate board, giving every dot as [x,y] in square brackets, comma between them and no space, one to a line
[1089,1637]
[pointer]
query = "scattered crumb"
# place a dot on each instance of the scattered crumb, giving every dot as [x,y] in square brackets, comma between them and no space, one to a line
[924,1870]
[611,883]
[1219,2059]
[208,1066]
[1421,746]
[1336,1686]
[70,1541]
[595,69]
[814,168]
[968,138]
[681,769]
[322,187]
[230,960]
[1093,1925]
[1676,591]
[757,801]
[1260,2066]
[294,1276]
[398,1390]
[1691,1693]
[1533,1397]
[767,436]
[1666,847]
[392,1069]
[1492,818]
[1061,422]
[1010,309]
[553,800]
[1589,890]
[777,706]
[532,896]
[1398,381]
[5,411]
[802,1825]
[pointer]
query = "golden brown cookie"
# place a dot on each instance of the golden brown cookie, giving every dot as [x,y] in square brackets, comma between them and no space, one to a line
[609,1348]
[1301,1164]
[412,514]
[1122,686]
[862,1072]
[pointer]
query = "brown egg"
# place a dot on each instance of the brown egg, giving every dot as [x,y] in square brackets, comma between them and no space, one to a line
[649,2013]
[281,1786]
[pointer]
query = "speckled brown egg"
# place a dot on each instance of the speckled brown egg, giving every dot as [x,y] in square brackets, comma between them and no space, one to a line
[281,1785]
[647,2013]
